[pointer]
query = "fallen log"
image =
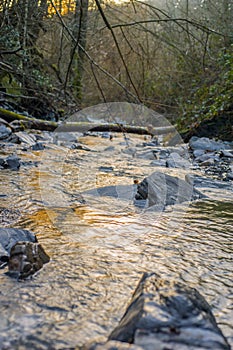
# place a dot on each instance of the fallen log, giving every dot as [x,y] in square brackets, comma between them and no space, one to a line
[83,127]
[27,122]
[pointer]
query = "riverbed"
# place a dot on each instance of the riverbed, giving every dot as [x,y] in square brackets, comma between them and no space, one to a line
[101,244]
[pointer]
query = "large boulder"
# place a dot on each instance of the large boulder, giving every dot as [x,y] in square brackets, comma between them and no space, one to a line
[163,314]
[160,189]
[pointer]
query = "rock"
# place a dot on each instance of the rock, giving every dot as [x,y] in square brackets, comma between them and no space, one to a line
[198,153]
[2,162]
[160,190]
[9,236]
[206,144]
[202,182]
[230,176]
[161,162]
[114,345]
[123,192]
[176,161]
[25,259]
[208,162]
[81,147]
[167,315]
[38,146]
[207,157]
[12,162]
[163,153]
[227,153]
[106,169]
[154,142]
[24,137]
[147,154]
[63,137]
[5,131]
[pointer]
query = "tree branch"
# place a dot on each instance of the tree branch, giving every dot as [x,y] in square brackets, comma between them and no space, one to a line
[91,59]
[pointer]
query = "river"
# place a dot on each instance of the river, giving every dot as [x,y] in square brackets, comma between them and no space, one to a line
[100,245]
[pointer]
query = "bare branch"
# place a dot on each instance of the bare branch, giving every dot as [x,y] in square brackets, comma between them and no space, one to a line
[92,61]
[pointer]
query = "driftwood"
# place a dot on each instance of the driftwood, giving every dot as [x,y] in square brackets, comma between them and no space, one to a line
[39,124]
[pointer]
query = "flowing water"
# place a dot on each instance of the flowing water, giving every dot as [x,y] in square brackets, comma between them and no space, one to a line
[100,248]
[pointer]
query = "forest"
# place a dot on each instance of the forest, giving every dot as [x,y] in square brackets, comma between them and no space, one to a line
[174,56]
[116,174]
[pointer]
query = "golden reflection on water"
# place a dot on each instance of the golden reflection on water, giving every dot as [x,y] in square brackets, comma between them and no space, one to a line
[99,249]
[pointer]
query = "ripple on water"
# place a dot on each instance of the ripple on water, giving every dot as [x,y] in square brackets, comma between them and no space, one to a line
[99,251]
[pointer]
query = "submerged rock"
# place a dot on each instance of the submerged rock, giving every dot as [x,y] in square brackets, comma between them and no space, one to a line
[123,192]
[160,189]
[25,259]
[167,315]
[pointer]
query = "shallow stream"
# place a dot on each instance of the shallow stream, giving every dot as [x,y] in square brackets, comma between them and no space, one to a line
[100,245]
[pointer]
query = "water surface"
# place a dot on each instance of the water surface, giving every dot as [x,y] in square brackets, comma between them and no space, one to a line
[100,245]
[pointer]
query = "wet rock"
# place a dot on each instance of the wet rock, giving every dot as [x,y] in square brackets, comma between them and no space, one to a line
[2,162]
[206,144]
[154,142]
[38,146]
[147,154]
[176,161]
[161,162]
[26,258]
[114,345]
[198,153]
[208,157]
[26,138]
[5,131]
[64,137]
[106,169]
[12,162]
[81,147]
[227,153]
[202,182]
[167,315]
[163,153]
[160,190]
[208,162]
[109,149]
[123,192]
[9,236]
[230,176]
